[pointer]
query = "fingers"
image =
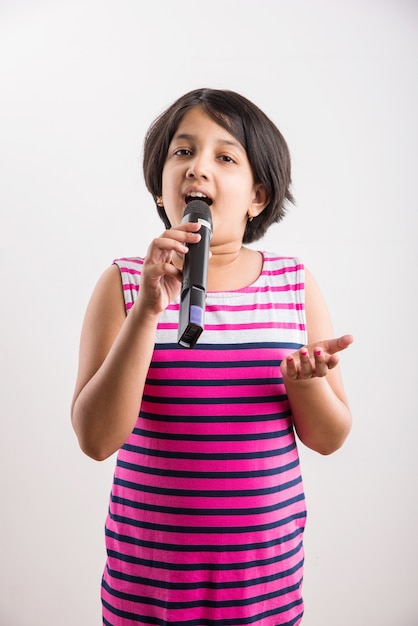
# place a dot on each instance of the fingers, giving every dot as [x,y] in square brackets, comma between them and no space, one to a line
[178,238]
[315,360]
[171,241]
[301,365]
[321,366]
[305,370]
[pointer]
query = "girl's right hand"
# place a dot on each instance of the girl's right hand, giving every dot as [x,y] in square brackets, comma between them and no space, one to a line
[161,273]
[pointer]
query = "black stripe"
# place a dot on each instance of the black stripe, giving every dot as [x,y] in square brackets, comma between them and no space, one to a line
[196,567]
[218,511]
[203,365]
[208,493]
[221,419]
[208,622]
[210,400]
[216,604]
[173,547]
[204,475]
[224,347]
[206,456]
[210,530]
[202,382]
[209,584]
[188,437]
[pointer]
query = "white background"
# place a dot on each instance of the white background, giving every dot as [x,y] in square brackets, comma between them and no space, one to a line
[80,82]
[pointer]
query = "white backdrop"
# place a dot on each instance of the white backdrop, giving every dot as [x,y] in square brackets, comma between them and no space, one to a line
[80,82]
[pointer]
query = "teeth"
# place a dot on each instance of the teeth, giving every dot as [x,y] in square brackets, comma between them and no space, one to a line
[200,195]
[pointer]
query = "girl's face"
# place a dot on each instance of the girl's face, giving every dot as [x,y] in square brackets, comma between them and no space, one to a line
[204,159]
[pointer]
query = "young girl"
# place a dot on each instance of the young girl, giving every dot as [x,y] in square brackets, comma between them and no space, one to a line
[207,508]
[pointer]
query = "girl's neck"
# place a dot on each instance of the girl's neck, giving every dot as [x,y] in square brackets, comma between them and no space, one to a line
[233,269]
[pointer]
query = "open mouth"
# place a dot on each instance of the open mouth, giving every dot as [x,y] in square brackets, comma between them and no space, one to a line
[198,196]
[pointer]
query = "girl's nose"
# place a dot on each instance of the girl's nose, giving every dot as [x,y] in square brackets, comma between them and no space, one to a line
[198,168]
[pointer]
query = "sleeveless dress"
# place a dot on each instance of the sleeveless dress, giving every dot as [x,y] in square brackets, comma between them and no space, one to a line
[207,508]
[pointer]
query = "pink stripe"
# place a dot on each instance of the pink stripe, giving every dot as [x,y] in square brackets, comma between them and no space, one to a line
[215,447]
[196,522]
[246,573]
[291,267]
[135,261]
[169,357]
[268,306]
[262,289]
[227,373]
[190,410]
[165,539]
[197,374]
[252,427]
[213,308]
[201,392]
[211,465]
[221,595]
[245,326]
[198,484]
[170,556]
[198,613]
[130,287]
[254,326]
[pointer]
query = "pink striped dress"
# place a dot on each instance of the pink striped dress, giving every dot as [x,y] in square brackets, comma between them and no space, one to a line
[207,508]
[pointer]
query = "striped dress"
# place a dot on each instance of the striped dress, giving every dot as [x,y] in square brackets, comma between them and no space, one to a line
[207,508]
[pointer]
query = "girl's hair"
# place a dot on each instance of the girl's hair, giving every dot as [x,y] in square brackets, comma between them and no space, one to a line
[265,146]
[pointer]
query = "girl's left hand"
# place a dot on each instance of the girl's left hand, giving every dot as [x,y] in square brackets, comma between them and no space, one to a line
[314,360]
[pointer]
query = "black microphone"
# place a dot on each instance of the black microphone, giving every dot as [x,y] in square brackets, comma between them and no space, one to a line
[195,276]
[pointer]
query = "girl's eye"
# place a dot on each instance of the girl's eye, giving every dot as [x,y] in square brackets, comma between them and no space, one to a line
[183,152]
[226,158]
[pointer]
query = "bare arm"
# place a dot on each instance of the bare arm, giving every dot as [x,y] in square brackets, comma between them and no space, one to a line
[116,350]
[313,381]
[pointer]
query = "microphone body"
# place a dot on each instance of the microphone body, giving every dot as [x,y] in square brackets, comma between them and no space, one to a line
[195,276]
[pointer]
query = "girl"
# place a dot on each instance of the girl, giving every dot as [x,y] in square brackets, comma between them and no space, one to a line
[207,508]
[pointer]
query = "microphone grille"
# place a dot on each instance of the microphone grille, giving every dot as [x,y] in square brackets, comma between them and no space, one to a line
[200,209]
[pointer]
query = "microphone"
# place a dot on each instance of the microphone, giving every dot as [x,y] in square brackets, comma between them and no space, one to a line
[195,276]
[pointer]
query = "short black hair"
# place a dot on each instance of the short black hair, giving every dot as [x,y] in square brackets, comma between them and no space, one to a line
[266,149]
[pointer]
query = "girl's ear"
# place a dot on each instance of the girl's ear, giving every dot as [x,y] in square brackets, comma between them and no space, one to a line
[260,200]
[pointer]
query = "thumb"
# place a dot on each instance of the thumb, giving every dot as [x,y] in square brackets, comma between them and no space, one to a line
[337,344]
